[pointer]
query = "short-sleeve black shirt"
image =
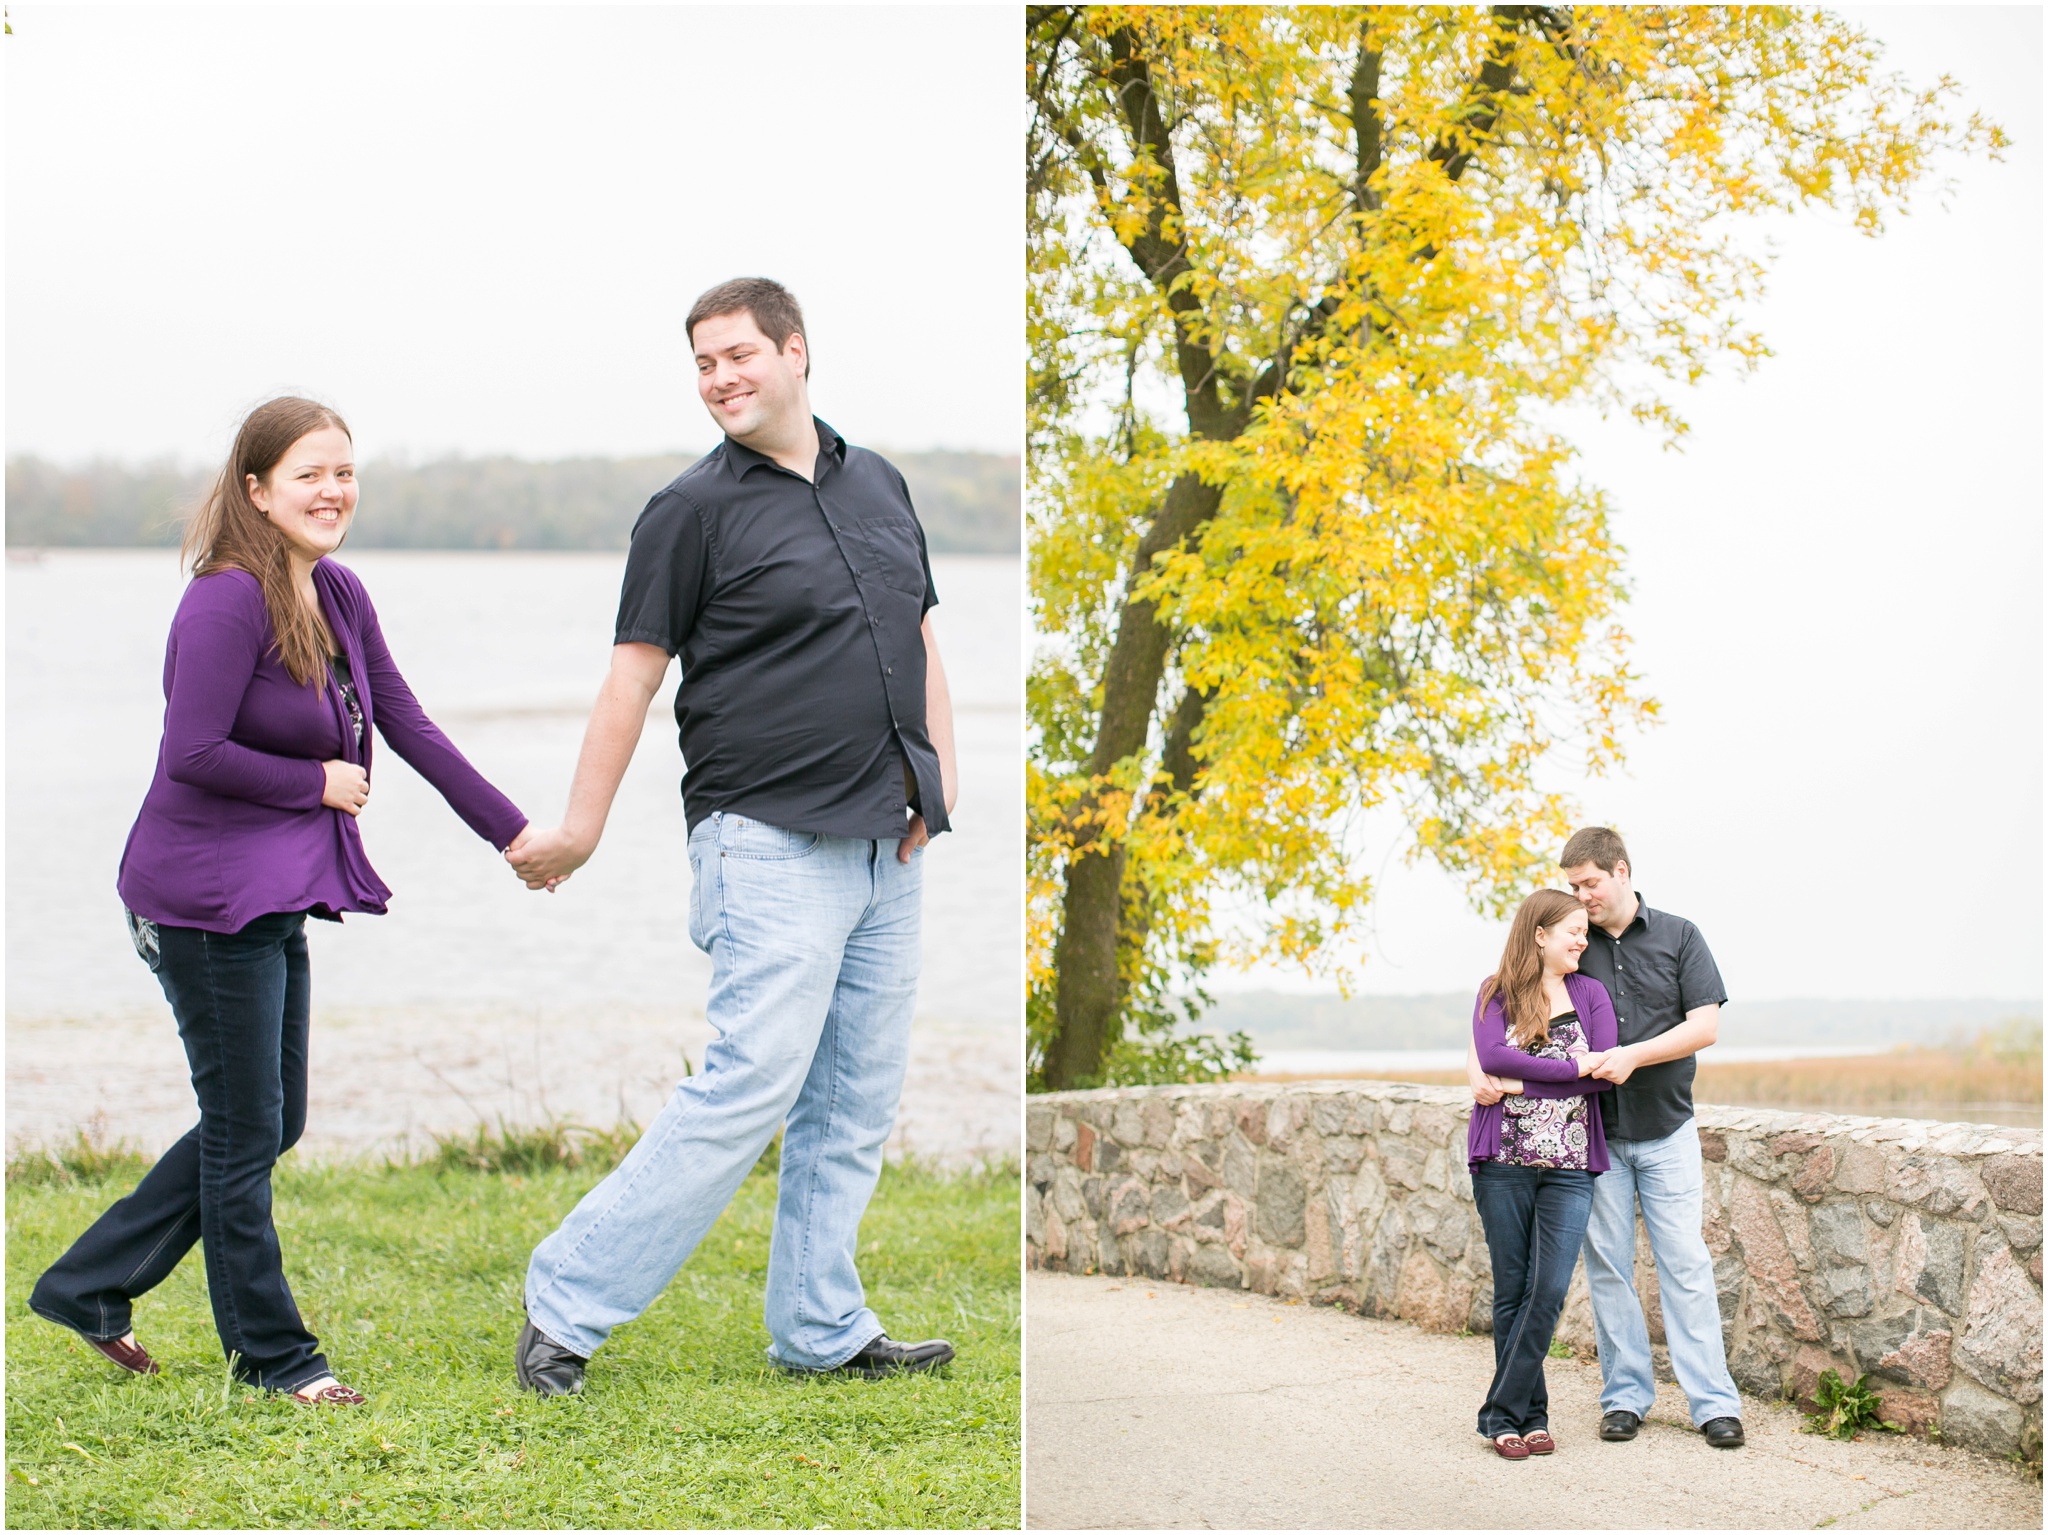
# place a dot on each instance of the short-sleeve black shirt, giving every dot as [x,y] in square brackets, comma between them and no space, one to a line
[1656,972]
[796,609]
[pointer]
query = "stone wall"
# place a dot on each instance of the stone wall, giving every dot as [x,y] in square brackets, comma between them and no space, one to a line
[1897,1247]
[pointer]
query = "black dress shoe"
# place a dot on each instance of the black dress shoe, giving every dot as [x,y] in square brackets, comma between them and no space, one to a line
[543,1365]
[1620,1424]
[884,1357]
[1723,1433]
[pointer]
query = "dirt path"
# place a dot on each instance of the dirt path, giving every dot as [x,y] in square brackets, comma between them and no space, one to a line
[390,1079]
[1162,1406]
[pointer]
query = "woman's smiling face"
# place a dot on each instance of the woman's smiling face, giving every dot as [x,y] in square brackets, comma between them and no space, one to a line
[310,494]
[1562,945]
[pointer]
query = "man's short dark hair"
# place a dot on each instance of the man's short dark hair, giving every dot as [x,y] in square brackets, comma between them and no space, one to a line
[1594,845]
[772,307]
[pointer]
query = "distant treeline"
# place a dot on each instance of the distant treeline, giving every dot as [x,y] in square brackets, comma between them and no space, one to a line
[969,503]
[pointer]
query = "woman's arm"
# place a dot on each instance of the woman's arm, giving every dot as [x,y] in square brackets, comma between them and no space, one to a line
[217,644]
[1498,1058]
[1576,1089]
[404,724]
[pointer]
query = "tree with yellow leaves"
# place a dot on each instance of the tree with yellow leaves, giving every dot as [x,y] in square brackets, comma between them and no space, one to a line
[1307,287]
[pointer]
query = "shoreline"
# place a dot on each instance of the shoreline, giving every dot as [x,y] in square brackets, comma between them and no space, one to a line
[391,1080]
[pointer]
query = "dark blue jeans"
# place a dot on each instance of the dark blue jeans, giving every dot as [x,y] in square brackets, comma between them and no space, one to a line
[242,1001]
[1535,1219]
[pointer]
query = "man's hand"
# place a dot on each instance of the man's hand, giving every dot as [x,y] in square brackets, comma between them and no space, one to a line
[1617,1065]
[1485,1090]
[913,839]
[543,859]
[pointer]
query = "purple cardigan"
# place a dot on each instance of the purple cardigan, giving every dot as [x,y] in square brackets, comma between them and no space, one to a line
[232,827]
[1541,1078]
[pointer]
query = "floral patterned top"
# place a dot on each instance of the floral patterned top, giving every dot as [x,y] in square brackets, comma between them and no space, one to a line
[1547,1132]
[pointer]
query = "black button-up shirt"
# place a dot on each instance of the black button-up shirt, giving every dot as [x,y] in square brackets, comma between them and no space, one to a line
[795,606]
[1656,972]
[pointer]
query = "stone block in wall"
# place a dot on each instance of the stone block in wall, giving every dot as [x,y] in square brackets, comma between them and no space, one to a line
[1212,1264]
[1319,1249]
[1910,1348]
[1280,1199]
[1914,1412]
[2014,1183]
[1169,1205]
[1755,1368]
[1240,1166]
[1403,1163]
[1816,1171]
[1381,1279]
[1861,1170]
[1729,1273]
[1443,1224]
[1038,1119]
[1936,1184]
[2000,1345]
[1773,1272]
[1928,1262]
[1978,1420]
[1842,1256]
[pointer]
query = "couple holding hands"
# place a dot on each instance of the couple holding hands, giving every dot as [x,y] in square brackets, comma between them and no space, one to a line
[1581,1068]
[788,572]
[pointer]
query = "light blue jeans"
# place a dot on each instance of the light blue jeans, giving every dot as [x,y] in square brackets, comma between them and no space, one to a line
[814,949]
[1663,1176]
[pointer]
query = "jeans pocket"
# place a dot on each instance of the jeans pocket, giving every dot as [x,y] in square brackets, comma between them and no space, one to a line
[143,934]
[740,837]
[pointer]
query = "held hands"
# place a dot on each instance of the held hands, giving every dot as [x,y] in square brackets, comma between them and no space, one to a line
[544,858]
[348,786]
[913,839]
[1616,1065]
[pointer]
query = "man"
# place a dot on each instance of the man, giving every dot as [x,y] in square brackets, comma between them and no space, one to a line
[787,571]
[1667,998]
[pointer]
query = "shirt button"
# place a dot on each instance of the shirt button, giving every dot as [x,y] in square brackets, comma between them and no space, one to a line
[890,670]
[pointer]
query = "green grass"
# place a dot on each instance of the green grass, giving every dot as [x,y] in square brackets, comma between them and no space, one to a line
[411,1278]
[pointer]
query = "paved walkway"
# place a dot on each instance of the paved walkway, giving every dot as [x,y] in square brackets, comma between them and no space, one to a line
[1162,1406]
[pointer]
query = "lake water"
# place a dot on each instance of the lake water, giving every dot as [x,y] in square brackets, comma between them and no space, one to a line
[506,652]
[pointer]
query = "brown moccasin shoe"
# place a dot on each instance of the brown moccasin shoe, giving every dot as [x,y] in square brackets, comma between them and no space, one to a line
[1511,1447]
[126,1353]
[333,1394]
[1539,1442]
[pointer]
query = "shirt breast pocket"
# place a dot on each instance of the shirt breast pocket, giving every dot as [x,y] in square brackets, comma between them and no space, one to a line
[893,541]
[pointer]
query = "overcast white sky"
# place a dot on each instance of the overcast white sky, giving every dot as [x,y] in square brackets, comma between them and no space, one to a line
[1837,597]
[478,228]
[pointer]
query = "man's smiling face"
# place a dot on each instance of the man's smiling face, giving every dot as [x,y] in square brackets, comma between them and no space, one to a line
[745,383]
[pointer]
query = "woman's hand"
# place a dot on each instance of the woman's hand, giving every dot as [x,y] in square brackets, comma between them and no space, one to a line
[348,786]
[544,858]
[1590,1061]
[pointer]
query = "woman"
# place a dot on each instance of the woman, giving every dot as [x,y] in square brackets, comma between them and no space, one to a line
[275,673]
[1541,1027]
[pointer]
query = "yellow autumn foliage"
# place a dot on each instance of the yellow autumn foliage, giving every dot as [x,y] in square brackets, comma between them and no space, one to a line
[1342,266]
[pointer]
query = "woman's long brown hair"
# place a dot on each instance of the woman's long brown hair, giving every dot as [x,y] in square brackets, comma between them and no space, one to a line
[1519,980]
[229,532]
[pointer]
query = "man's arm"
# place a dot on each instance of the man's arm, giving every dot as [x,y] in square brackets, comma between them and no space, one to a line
[544,859]
[1701,1028]
[938,724]
[1486,1089]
